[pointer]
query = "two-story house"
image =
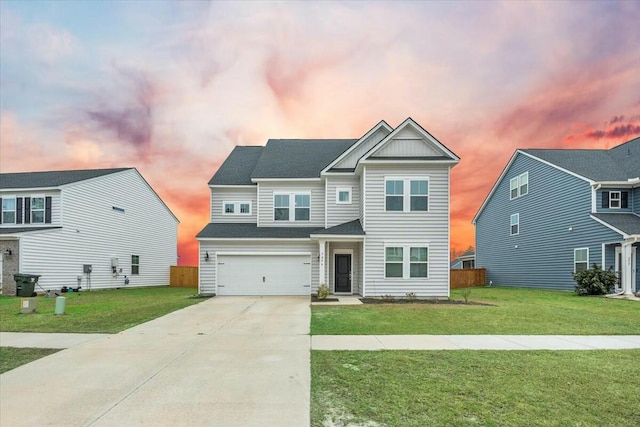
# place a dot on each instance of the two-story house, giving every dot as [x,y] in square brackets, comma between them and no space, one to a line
[554,212]
[367,216]
[95,228]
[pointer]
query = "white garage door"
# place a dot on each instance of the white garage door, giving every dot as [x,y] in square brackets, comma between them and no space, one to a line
[264,275]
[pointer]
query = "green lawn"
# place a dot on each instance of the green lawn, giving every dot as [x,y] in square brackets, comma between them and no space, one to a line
[11,357]
[104,311]
[514,311]
[475,388]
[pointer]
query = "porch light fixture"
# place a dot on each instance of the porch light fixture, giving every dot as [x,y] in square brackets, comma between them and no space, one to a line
[8,252]
[206,255]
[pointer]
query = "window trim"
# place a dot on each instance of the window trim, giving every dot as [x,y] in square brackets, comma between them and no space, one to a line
[292,205]
[136,265]
[236,207]
[516,224]
[574,258]
[43,210]
[349,191]
[406,192]
[15,210]
[519,183]
[406,261]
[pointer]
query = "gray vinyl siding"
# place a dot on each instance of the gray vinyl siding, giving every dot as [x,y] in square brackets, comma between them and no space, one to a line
[341,213]
[413,229]
[635,200]
[265,194]
[356,278]
[407,146]
[208,273]
[93,233]
[554,220]
[221,195]
[56,217]
[351,159]
[599,207]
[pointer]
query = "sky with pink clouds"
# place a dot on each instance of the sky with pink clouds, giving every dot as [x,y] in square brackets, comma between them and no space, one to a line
[170,87]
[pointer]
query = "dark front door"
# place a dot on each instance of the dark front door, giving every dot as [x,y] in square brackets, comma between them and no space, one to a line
[343,273]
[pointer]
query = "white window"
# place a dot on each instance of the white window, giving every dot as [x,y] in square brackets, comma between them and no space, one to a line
[515,224]
[615,199]
[236,208]
[406,262]
[8,210]
[37,210]
[343,196]
[580,259]
[285,204]
[135,264]
[519,186]
[406,194]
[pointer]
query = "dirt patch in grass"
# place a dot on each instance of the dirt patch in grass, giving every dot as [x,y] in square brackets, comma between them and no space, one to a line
[421,301]
[316,299]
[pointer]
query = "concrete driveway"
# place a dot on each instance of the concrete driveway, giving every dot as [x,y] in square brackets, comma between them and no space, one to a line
[229,361]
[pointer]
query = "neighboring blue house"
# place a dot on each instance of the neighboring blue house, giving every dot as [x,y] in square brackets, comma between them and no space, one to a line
[464,261]
[553,212]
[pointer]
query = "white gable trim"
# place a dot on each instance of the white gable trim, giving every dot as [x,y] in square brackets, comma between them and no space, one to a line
[426,135]
[506,168]
[381,125]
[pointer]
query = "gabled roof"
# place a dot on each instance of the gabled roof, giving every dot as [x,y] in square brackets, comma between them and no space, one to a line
[20,180]
[237,168]
[351,228]
[627,223]
[381,126]
[298,158]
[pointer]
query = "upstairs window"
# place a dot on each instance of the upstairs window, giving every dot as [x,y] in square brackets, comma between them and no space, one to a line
[580,259]
[9,210]
[615,199]
[519,186]
[407,194]
[37,210]
[297,203]
[236,208]
[515,224]
[343,196]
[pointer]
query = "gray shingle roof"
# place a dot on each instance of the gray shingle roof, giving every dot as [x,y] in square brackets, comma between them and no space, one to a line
[51,178]
[626,222]
[298,158]
[15,230]
[351,228]
[616,164]
[237,168]
[239,231]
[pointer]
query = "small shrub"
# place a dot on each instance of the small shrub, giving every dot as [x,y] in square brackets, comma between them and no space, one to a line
[465,294]
[388,298]
[323,291]
[411,296]
[595,281]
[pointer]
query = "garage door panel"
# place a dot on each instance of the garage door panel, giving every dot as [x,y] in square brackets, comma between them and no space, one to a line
[264,275]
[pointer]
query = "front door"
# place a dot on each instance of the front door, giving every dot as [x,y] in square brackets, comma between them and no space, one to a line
[619,267]
[343,273]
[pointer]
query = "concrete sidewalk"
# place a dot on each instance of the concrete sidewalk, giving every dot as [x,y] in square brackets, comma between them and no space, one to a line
[233,361]
[474,342]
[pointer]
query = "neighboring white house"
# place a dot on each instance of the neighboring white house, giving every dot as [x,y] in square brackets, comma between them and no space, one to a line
[366,216]
[63,224]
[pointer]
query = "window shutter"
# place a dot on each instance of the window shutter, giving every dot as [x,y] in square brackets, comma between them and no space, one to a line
[0,215]
[605,199]
[18,210]
[47,210]
[624,199]
[27,210]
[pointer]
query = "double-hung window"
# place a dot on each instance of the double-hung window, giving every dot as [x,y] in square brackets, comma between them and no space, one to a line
[236,208]
[406,262]
[37,210]
[615,199]
[292,207]
[515,224]
[406,194]
[519,186]
[135,264]
[8,210]
[580,259]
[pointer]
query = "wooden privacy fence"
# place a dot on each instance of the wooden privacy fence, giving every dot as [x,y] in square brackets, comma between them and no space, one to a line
[183,277]
[467,278]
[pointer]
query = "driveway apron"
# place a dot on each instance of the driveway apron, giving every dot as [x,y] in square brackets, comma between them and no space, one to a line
[229,361]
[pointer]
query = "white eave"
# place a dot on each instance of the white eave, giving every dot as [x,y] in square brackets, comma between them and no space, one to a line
[630,183]
[256,180]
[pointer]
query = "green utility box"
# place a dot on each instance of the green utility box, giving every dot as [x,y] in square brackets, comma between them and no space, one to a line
[25,284]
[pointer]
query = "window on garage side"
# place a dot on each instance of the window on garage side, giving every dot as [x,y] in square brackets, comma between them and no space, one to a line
[580,259]
[237,208]
[393,262]
[9,210]
[303,207]
[135,264]
[281,207]
[37,210]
